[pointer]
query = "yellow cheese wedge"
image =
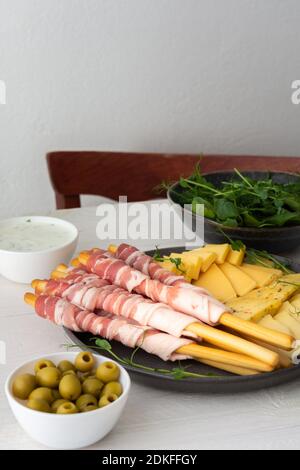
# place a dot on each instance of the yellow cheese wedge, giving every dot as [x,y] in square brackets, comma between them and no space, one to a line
[196,260]
[253,309]
[186,268]
[190,264]
[295,302]
[235,257]
[112,248]
[293,278]
[292,310]
[289,308]
[207,258]
[239,280]
[221,251]
[263,276]
[287,286]
[288,320]
[277,291]
[269,322]
[216,283]
[169,266]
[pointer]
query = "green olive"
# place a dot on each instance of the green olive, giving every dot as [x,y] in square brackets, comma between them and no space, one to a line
[85,401]
[43,393]
[70,387]
[108,372]
[83,376]
[92,387]
[69,372]
[84,361]
[38,405]
[41,364]
[64,366]
[91,376]
[23,385]
[48,377]
[112,387]
[56,404]
[107,399]
[89,408]
[67,408]
[56,394]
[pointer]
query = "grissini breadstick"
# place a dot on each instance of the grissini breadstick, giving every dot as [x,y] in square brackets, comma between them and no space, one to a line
[228,368]
[165,346]
[252,330]
[96,298]
[285,360]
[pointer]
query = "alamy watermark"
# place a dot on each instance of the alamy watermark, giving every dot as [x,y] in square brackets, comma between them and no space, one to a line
[154,221]
[2,352]
[295,97]
[2,92]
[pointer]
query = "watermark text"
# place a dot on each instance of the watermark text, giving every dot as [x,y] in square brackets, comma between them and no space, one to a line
[295,97]
[2,92]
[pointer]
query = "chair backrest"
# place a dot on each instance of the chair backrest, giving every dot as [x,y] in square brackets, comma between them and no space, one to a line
[114,174]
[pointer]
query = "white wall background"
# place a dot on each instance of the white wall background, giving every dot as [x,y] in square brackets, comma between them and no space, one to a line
[154,75]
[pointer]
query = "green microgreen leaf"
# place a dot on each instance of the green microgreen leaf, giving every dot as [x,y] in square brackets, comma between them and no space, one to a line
[263,258]
[158,257]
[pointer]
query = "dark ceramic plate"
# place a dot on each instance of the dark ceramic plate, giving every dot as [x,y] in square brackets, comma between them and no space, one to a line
[268,238]
[222,382]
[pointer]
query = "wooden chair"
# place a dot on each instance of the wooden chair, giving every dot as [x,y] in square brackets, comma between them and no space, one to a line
[111,174]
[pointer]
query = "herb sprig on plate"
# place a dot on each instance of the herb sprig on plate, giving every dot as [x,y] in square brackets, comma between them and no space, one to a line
[177,373]
[261,257]
[242,201]
[176,261]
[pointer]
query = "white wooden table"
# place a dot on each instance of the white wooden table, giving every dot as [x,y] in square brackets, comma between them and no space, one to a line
[153,419]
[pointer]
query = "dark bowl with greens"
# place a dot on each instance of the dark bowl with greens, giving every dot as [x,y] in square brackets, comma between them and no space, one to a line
[262,209]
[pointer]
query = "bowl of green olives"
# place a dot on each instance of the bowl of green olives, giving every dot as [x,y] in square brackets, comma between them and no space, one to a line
[68,400]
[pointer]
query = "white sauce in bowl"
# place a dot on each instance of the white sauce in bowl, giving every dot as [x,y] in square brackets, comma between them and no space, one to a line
[34,234]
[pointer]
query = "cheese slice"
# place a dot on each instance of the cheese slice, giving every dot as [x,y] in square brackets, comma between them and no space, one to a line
[241,282]
[262,275]
[112,248]
[221,251]
[278,291]
[288,320]
[289,308]
[269,322]
[235,257]
[215,281]
[207,258]
[185,269]
[293,278]
[191,263]
[292,310]
[295,302]
[196,260]
[253,309]
[287,286]
[167,264]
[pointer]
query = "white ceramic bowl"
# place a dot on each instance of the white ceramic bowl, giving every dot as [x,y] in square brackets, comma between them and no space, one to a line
[23,266]
[66,431]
